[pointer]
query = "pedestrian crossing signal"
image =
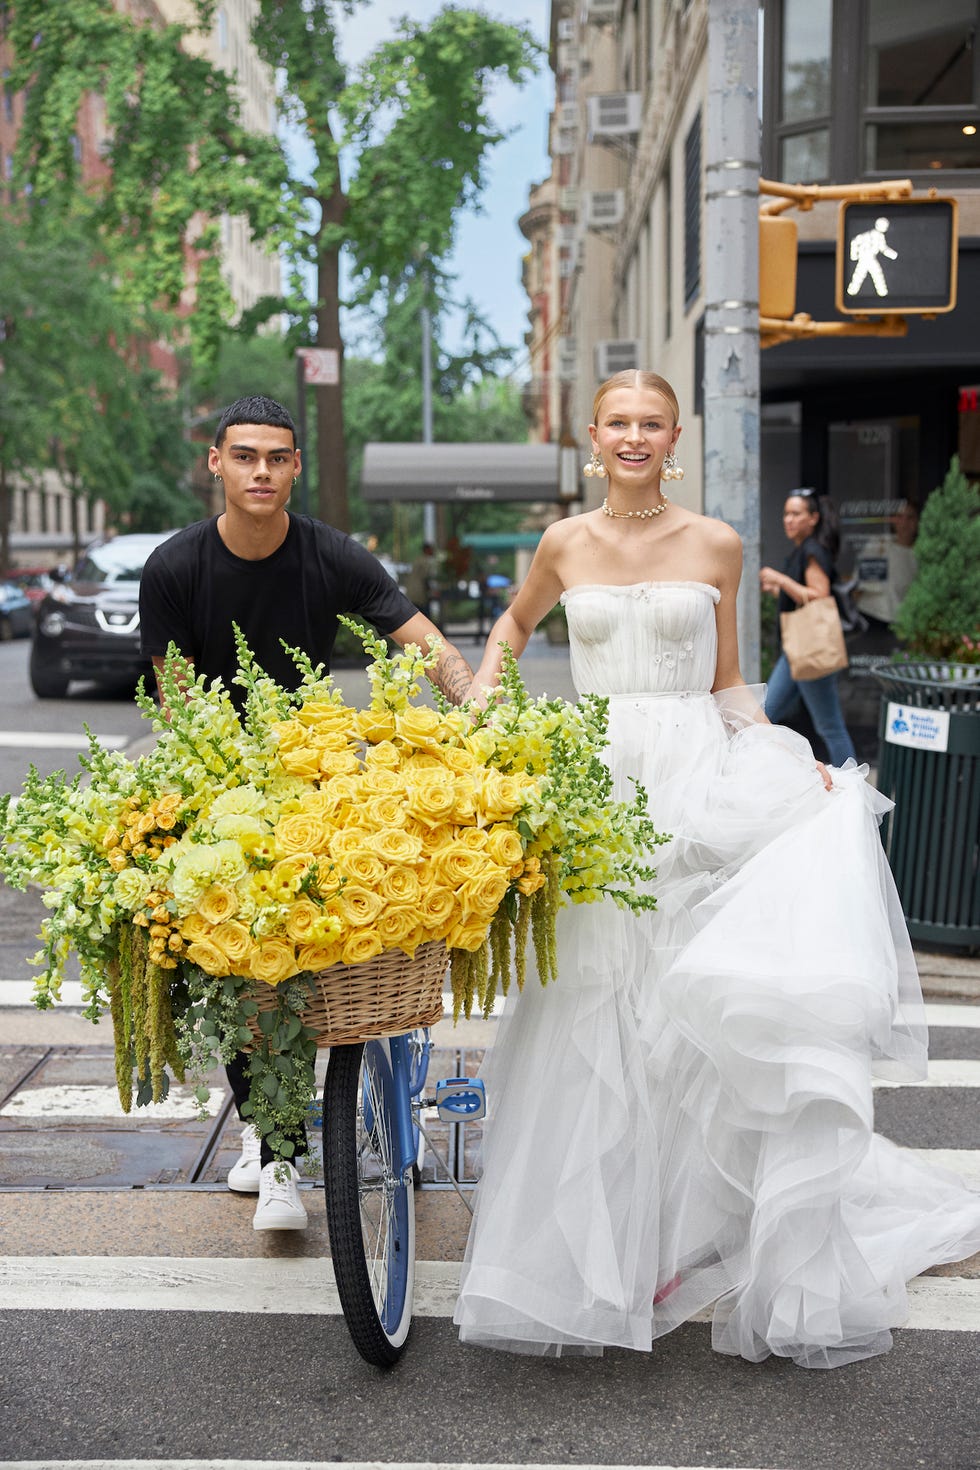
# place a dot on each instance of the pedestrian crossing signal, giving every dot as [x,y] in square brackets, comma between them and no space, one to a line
[896,256]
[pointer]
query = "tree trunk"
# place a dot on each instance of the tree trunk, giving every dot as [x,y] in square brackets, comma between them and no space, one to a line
[4,518]
[332,499]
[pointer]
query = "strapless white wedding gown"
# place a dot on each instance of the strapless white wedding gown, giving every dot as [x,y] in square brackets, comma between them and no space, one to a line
[685,1116]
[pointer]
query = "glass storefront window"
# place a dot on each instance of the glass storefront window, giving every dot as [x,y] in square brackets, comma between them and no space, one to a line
[920,55]
[805,79]
[901,148]
[805,158]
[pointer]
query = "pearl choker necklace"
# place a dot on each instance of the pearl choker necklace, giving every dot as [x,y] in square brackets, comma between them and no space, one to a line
[636,515]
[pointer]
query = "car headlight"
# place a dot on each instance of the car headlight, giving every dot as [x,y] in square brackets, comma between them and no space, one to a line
[52,625]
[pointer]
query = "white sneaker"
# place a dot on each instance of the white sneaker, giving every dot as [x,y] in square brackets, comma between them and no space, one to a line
[279,1207]
[243,1176]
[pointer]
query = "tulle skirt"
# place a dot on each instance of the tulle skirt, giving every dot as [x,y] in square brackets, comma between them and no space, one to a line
[685,1117]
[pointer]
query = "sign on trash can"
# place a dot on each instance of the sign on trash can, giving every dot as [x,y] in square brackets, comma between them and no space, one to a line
[920,729]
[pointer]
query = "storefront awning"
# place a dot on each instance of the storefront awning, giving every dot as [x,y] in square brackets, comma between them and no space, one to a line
[463,473]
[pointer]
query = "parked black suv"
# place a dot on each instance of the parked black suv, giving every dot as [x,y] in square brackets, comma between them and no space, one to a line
[88,627]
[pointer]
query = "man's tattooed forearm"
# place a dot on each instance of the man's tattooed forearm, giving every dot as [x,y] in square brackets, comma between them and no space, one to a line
[454,677]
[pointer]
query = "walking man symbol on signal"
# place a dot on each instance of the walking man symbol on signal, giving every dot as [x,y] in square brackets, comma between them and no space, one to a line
[865,250]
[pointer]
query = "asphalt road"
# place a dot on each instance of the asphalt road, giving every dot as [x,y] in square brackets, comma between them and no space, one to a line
[140,1322]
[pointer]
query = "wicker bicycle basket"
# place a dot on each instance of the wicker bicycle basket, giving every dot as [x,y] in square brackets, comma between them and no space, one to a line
[385,996]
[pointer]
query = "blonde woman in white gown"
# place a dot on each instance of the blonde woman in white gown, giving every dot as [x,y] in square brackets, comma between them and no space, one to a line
[685,1117]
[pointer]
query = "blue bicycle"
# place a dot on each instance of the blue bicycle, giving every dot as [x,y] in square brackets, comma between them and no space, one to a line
[373,1144]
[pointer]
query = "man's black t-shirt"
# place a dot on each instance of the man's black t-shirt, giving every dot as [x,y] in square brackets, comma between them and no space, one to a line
[193,589]
[795,566]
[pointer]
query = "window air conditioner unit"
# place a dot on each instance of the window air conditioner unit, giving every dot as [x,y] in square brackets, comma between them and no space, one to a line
[616,357]
[564,142]
[568,198]
[602,9]
[566,115]
[614,114]
[604,208]
[566,266]
[567,359]
[566,30]
[567,235]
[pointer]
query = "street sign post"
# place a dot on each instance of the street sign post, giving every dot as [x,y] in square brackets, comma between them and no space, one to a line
[896,256]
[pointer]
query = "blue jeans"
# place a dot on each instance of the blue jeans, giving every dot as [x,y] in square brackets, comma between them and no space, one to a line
[822,703]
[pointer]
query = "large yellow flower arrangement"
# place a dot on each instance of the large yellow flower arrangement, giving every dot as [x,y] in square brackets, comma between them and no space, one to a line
[251,853]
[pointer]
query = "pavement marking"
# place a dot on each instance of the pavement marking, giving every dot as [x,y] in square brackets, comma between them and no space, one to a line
[49,740]
[321,1465]
[941,1014]
[957,1072]
[90,1101]
[302,1287]
[962,1161]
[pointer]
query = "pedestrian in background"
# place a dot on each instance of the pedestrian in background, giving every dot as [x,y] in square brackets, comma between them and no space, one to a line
[810,522]
[282,579]
[422,581]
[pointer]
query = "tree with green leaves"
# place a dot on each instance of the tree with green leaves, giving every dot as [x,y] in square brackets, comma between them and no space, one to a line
[398,147]
[942,606]
[74,394]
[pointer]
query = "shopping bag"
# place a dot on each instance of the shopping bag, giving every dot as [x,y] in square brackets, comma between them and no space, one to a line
[813,639]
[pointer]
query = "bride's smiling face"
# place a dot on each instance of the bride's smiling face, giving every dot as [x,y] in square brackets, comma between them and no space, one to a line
[633,432]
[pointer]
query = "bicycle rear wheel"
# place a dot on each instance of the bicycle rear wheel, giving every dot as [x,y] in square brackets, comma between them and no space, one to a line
[370,1200]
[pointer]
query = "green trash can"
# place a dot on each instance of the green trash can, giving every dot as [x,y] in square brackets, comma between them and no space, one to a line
[929,766]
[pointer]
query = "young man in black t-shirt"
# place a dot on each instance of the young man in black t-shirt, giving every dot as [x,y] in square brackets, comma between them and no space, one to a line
[278,576]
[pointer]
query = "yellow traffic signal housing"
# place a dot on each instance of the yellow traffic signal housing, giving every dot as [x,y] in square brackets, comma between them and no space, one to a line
[777,266]
[896,256]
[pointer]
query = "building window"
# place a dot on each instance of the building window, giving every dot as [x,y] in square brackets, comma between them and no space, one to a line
[921,89]
[692,212]
[879,87]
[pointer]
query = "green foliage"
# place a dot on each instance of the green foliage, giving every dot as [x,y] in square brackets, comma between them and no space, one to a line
[75,394]
[940,614]
[175,148]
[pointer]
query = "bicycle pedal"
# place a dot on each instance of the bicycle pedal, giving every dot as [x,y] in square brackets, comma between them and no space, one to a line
[461,1099]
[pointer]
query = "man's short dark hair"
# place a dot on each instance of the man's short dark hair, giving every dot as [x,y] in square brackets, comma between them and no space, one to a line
[255,410]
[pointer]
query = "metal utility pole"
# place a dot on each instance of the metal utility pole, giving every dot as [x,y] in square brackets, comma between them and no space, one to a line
[428,509]
[731,285]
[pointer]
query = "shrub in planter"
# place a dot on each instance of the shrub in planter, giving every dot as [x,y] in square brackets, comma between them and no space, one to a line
[940,614]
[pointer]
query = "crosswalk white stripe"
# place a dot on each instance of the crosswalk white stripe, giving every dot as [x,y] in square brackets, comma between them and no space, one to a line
[90,1100]
[49,740]
[955,1072]
[318,1465]
[302,1287]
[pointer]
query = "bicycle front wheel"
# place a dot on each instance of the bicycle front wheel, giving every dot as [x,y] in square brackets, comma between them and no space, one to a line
[370,1201]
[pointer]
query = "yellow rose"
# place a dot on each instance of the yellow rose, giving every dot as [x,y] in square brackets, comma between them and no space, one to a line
[530,883]
[437,908]
[482,896]
[464,807]
[400,884]
[501,796]
[395,924]
[302,919]
[459,760]
[272,960]
[380,812]
[302,832]
[217,903]
[360,905]
[339,762]
[235,942]
[325,715]
[376,726]
[473,838]
[437,839]
[456,865]
[338,792]
[431,797]
[383,760]
[208,957]
[288,735]
[360,946]
[395,846]
[194,927]
[420,728]
[362,867]
[504,846]
[314,957]
[467,935]
[303,761]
